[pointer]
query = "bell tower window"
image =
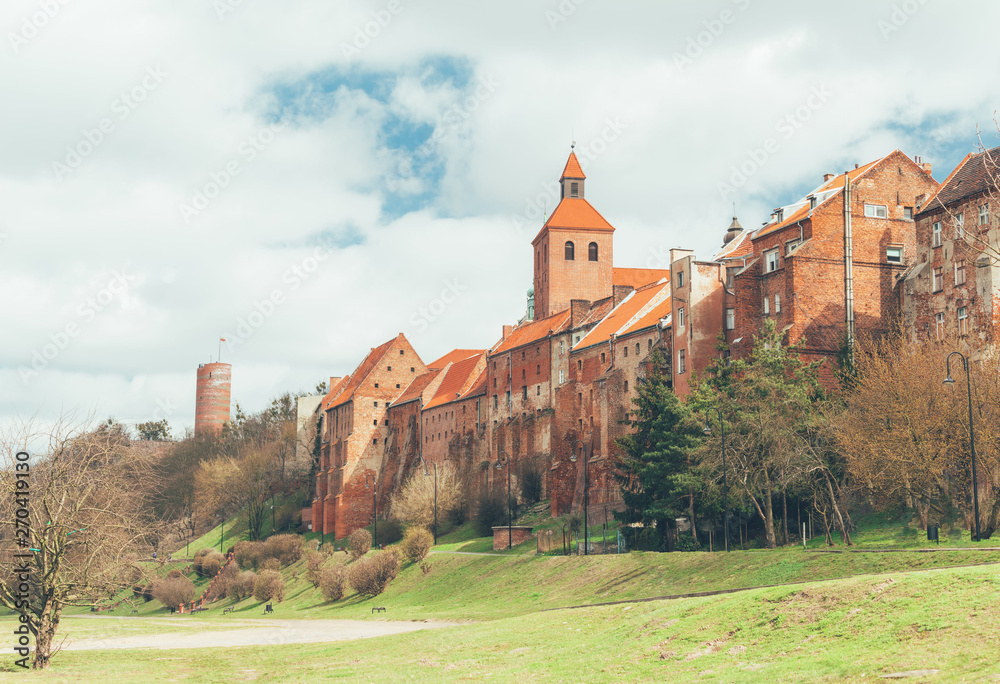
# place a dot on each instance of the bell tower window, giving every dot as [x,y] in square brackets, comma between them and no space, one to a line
[592,251]
[570,251]
[574,189]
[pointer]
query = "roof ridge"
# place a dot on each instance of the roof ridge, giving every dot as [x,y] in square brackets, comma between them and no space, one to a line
[653,302]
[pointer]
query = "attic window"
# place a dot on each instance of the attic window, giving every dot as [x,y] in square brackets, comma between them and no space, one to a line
[400,352]
[388,368]
[772,261]
[574,189]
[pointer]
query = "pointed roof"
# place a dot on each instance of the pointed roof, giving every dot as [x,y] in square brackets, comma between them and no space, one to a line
[454,356]
[573,168]
[416,388]
[349,387]
[458,377]
[533,331]
[335,392]
[576,213]
[976,173]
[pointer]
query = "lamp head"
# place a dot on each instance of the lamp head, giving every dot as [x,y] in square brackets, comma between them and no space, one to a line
[499,465]
[949,380]
[707,430]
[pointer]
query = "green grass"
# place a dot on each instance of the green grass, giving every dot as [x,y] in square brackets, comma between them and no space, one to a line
[844,630]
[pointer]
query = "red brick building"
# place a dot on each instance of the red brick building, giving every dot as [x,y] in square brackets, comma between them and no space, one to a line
[952,290]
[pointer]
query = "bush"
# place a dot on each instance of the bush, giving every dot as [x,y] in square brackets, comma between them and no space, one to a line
[417,543]
[414,503]
[247,554]
[199,558]
[286,548]
[531,484]
[224,580]
[174,574]
[314,566]
[269,586]
[490,512]
[242,585]
[270,564]
[389,532]
[332,582]
[143,592]
[372,574]
[211,565]
[686,542]
[173,592]
[360,543]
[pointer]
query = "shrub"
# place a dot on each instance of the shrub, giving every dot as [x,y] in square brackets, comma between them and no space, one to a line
[143,592]
[490,512]
[415,501]
[314,566]
[687,542]
[333,583]
[286,548]
[269,586]
[372,574]
[531,484]
[425,568]
[211,565]
[223,581]
[270,564]
[199,558]
[247,554]
[360,543]
[173,592]
[417,544]
[174,574]
[389,532]
[242,585]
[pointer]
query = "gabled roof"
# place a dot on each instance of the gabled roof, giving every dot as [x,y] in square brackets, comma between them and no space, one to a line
[416,388]
[650,303]
[795,212]
[457,377]
[477,387]
[739,247]
[577,213]
[573,168]
[334,392]
[362,372]
[533,332]
[973,175]
[637,277]
[454,356]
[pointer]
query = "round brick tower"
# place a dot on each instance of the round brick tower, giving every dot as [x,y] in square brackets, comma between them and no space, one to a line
[212,404]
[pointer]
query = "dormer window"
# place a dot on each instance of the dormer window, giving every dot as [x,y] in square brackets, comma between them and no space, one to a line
[574,189]
[570,251]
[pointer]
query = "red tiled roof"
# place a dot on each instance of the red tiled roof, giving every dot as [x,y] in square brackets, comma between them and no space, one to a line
[737,248]
[631,310]
[457,376]
[637,277]
[454,356]
[974,174]
[576,212]
[533,331]
[653,316]
[478,386]
[361,372]
[573,168]
[598,310]
[416,388]
[335,392]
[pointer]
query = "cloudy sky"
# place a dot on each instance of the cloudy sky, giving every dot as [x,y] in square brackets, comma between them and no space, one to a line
[309,178]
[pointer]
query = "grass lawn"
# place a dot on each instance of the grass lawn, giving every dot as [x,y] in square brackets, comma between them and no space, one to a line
[843,630]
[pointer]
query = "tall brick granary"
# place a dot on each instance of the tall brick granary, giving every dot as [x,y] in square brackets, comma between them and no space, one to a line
[826,268]
[212,398]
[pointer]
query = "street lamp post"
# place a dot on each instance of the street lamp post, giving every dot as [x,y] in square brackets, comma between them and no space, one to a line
[500,464]
[272,514]
[725,488]
[371,478]
[972,436]
[586,487]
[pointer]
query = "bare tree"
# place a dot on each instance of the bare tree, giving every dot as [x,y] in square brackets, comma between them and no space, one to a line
[79,514]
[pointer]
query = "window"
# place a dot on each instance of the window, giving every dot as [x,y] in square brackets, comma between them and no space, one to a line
[507,393]
[376,404]
[959,226]
[963,321]
[495,401]
[730,319]
[936,234]
[767,306]
[938,279]
[984,214]
[791,245]
[561,376]
[579,364]
[680,278]
[894,255]
[376,385]
[680,318]
[397,385]
[960,272]
[375,422]
[939,325]
[625,350]
[602,357]
[538,390]
[771,261]
[523,374]
[626,385]
[538,369]
[574,189]
[637,348]
[777,303]
[570,251]
[681,361]
[876,211]
[375,441]
[592,251]
[730,275]
[908,213]
[579,398]
[524,393]
[649,343]
[389,368]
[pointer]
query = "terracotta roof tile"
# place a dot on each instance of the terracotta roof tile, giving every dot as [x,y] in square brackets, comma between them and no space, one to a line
[335,392]
[454,356]
[533,332]
[457,377]
[361,372]
[576,212]
[637,277]
[416,388]
[638,306]
[738,247]
[573,168]
[974,174]
[478,386]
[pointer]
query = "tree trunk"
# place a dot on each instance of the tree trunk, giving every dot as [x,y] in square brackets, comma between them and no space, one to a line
[836,509]
[769,522]
[784,514]
[43,639]
[694,522]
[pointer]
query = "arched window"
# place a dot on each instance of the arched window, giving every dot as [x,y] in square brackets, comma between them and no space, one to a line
[570,251]
[593,251]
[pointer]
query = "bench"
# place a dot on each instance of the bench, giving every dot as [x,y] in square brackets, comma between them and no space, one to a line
[268,609]
[378,609]
[230,609]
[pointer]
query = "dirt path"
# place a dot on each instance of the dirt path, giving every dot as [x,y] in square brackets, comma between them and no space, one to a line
[255,633]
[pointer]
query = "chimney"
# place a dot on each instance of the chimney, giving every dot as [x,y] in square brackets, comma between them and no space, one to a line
[779,214]
[926,166]
[507,330]
[333,383]
[827,177]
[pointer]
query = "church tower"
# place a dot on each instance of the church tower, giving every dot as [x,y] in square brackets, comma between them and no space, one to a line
[574,249]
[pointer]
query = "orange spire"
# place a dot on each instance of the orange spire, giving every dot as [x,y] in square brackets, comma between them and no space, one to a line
[573,168]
